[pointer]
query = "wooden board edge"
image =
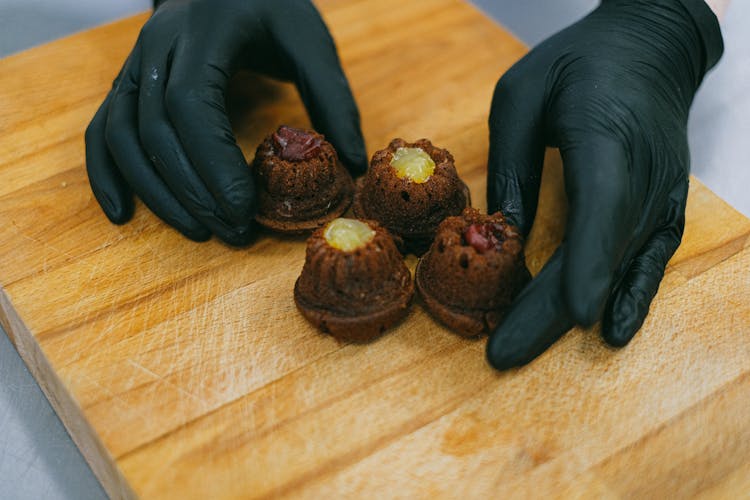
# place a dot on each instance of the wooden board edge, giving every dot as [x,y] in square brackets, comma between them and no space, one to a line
[699,184]
[70,414]
[103,26]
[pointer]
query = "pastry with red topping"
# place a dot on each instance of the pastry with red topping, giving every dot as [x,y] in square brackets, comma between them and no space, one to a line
[472,272]
[301,184]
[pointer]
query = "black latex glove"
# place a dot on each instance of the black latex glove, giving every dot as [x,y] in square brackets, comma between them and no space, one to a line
[163,132]
[613,92]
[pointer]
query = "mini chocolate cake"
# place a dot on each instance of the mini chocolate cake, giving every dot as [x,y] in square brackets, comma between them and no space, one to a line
[300,181]
[354,284]
[472,272]
[410,188]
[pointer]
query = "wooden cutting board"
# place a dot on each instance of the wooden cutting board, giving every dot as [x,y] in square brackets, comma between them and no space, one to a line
[183,370]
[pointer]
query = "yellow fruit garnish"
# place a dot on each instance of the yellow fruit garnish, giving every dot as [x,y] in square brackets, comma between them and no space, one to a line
[348,234]
[413,164]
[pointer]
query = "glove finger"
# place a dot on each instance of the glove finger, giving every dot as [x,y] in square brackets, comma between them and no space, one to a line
[196,108]
[537,318]
[629,305]
[121,133]
[514,168]
[304,40]
[107,183]
[163,147]
[601,222]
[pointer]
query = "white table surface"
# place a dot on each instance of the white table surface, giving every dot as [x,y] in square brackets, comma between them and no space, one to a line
[38,460]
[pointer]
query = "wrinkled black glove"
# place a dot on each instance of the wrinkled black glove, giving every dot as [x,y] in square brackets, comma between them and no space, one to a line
[613,92]
[163,130]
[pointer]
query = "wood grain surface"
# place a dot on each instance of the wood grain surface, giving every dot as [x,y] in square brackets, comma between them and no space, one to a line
[183,370]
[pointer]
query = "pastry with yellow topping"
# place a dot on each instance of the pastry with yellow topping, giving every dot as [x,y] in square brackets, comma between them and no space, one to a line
[354,283]
[409,189]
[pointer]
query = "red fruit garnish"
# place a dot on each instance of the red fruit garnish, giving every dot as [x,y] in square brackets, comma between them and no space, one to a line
[293,144]
[484,237]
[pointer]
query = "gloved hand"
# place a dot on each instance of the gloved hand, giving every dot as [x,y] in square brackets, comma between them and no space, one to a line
[163,132]
[613,92]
